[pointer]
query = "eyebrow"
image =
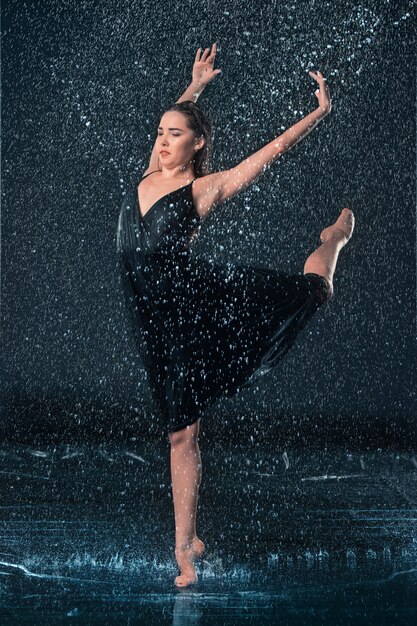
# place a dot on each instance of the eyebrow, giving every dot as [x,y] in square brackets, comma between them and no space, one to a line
[160,128]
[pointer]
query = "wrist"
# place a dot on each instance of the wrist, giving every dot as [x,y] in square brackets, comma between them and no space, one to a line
[197,85]
[322,112]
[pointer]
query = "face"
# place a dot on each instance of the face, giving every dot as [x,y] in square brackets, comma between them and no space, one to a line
[177,139]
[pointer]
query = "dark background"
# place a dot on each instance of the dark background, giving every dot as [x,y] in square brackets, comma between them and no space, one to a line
[83,85]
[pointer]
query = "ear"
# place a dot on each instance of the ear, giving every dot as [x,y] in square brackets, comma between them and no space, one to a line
[200,142]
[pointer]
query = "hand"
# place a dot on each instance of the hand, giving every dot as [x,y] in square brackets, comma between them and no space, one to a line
[322,94]
[203,71]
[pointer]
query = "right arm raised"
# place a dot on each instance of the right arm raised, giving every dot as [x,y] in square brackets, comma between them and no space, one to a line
[191,93]
[202,74]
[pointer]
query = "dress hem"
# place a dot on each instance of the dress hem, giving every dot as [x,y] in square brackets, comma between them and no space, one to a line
[188,422]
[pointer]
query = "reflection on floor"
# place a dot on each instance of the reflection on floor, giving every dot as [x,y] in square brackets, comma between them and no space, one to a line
[292,536]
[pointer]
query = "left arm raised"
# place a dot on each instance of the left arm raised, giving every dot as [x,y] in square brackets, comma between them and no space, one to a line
[230,182]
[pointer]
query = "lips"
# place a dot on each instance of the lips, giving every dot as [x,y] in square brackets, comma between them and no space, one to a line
[164,152]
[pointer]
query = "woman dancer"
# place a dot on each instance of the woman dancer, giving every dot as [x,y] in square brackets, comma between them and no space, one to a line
[202,329]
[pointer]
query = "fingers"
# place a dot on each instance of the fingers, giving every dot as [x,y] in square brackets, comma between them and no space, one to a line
[206,53]
[318,77]
[213,51]
[209,54]
[203,58]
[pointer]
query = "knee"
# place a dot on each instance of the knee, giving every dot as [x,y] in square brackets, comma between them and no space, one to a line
[177,438]
[322,286]
[187,436]
[324,289]
[327,291]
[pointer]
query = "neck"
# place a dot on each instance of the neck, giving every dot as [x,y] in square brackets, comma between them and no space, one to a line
[180,171]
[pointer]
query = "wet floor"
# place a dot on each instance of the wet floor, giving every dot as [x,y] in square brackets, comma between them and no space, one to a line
[292,536]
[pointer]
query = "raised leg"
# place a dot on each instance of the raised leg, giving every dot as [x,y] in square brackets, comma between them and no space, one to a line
[323,260]
[186,473]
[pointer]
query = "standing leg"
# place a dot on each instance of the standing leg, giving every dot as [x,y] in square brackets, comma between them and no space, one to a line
[323,260]
[186,477]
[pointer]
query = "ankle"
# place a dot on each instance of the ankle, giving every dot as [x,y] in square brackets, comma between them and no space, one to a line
[184,543]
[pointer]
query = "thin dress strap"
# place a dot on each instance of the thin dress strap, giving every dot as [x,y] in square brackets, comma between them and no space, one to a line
[149,174]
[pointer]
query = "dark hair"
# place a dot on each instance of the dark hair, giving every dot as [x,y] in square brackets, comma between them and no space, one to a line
[199,122]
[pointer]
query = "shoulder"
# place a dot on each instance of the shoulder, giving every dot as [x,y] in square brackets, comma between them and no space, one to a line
[206,192]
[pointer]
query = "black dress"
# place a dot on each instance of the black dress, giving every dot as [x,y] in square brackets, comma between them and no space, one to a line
[202,329]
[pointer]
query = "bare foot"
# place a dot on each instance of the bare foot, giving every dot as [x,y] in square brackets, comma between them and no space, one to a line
[185,558]
[342,229]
